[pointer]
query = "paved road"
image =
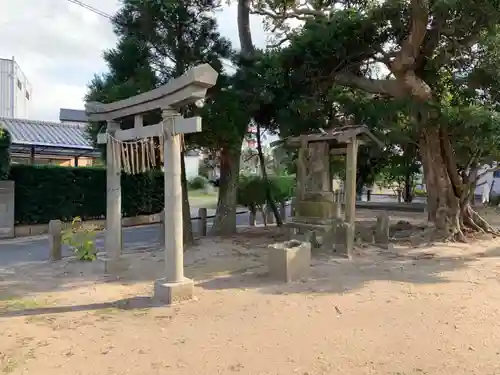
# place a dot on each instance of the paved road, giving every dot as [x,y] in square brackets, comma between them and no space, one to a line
[33,249]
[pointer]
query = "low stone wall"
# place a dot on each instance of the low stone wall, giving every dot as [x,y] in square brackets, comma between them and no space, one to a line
[38,229]
[388,206]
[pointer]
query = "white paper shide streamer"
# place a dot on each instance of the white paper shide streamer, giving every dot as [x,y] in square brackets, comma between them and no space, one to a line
[138,156]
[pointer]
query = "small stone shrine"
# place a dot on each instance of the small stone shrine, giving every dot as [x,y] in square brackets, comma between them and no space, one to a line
[317,207]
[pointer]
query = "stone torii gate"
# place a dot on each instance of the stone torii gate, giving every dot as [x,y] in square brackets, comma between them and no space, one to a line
[170,98]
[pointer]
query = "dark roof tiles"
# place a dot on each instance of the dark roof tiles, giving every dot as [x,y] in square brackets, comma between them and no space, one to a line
[43,133]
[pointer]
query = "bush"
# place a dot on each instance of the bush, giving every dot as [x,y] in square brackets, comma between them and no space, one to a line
[197,183]
[4,154]
[44,193]
[251,190]
[419,192]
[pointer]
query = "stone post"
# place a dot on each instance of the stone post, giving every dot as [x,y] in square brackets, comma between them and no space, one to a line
[269,214]
[283,211]
[55,240]
[337,210]
[202,222]
[113,237]
[350,194]
[251,218]
[7,194]
[382,230]
[344,239]
[175,287]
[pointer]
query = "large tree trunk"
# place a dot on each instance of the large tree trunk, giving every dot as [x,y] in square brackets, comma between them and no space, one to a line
[408,188]
[265,178]
[225,216]
[448,196]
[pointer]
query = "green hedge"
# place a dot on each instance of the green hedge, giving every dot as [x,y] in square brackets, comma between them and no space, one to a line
[45,193]
[251,191]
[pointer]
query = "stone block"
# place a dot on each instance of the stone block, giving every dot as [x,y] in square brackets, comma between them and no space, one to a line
[319,196]
[114,266]
[172,293]
[312,239]
[22,230]
[39,229]
[322,210]
[289,261]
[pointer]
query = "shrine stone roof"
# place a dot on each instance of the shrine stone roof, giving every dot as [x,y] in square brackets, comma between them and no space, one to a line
[336,136]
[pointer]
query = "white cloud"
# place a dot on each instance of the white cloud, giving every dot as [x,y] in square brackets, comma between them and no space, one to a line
[59,46]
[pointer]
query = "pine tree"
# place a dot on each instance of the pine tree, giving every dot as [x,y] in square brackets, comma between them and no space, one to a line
[170,37]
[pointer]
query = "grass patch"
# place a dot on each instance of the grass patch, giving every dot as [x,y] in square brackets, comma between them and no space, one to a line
[202,193]
[14,304]
[9,366]
[107,311]
[198,198]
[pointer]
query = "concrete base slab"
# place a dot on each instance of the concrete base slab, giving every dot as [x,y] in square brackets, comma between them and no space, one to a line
[115,265]
[172,293]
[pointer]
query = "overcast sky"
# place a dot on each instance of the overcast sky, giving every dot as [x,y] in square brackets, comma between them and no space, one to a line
[59,46]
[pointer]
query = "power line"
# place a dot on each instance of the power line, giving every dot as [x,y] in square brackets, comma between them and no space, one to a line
[91,8]
[105,15]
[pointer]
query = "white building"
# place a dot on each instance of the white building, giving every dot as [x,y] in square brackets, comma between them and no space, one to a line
[488,184]
[15,90]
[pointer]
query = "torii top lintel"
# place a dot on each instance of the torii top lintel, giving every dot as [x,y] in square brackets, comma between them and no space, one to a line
[338,137]
[186,89]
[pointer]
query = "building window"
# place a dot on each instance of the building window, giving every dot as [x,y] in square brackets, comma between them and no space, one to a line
[19,85]
[27,95]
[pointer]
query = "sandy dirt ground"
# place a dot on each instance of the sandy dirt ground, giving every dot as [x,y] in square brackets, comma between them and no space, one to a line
[398,311]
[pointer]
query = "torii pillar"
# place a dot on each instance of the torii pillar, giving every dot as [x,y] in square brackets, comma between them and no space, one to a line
[174,287]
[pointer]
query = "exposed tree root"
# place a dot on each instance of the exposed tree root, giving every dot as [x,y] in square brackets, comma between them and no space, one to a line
[453,227]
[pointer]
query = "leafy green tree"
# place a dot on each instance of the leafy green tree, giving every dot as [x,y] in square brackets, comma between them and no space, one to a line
[166,38]
[428,49]
[129,74]
[182,34]
[225,123]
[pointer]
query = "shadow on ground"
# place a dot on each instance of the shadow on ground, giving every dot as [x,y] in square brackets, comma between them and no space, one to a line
[237,262]
[343,276]
[134,303]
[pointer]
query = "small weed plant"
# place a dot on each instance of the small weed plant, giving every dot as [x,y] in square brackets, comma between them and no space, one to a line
[81,239]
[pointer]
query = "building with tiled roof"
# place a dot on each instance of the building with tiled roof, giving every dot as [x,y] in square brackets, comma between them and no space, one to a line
[42,142]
